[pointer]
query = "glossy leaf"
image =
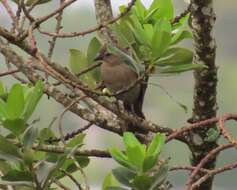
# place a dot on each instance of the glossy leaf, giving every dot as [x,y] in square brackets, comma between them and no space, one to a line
[15,102]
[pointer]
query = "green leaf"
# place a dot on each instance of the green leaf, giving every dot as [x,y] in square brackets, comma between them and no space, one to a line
[29,136]
[9,149]
[137,30]
[136,156]
[176,56]
[139,10]
[142,182]
[15,102]
[76,140]
[121,158]
[16,126]
[78,60]
[109,181]
[166,9]
[161,38]
[93,49]
[45,134]
[130,140]
[153,151]
[181,35]
[3,110]
[15,175]
[151,14]
[149,32]
[181,68]
[32,100]
[123,175]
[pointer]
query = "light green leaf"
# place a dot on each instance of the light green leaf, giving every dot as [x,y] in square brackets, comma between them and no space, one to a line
[93,49]
[3,110]
[136,156]
[176,56]
[121,158]
[166,9]
[150,15]
[78,140]
[130,140]
[109,181]
[78,60]
[15,102]
[153,151]
[139,10]
[16,126]
[32,99]
[2,88]
[181,68]
[181,35]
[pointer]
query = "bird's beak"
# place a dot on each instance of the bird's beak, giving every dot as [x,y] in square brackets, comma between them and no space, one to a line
[99,57]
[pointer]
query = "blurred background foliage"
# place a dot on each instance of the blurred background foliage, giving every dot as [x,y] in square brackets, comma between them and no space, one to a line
[158,107]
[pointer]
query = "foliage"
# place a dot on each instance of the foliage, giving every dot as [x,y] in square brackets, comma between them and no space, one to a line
[140,167]
[21,163]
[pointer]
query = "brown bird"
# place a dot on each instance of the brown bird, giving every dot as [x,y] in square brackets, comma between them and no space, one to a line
[116,76]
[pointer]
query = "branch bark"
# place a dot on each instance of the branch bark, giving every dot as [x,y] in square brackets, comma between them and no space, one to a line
[205,106]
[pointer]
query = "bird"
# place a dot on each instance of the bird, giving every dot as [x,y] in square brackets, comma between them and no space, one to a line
[116,76]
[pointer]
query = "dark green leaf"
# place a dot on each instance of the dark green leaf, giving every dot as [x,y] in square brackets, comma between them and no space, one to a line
[32,100]
[29,136]
[15,175]
[123,175]
[7,148]
[142,182]
[15,102]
